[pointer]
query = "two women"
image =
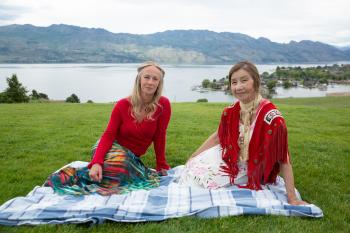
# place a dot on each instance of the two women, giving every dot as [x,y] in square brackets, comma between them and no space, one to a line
[249,148]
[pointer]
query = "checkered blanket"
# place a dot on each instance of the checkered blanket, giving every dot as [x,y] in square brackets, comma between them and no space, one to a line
[169,200]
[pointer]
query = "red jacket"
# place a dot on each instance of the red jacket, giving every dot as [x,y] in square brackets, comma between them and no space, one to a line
[267,148]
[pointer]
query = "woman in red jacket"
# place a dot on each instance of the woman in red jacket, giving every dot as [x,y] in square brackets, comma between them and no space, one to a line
[250,146]
[136,122]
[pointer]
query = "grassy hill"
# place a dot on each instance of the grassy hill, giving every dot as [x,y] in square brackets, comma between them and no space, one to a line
[37,139]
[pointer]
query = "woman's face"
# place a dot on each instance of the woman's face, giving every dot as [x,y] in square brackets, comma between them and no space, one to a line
[242,86]
[150,78]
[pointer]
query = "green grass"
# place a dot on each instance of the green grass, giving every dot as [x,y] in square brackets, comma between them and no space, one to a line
[36,139]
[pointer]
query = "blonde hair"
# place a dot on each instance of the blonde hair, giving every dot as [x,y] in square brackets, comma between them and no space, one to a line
[136,99]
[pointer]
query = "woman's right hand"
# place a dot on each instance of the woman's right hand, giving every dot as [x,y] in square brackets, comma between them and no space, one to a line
[95,172]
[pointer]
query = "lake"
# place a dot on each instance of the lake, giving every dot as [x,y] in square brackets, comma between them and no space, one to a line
[103,83]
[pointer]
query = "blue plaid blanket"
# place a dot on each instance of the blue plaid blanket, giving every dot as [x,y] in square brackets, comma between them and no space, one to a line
[169,200]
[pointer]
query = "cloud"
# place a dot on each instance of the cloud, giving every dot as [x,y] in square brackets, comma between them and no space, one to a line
[9,12]
[6,16]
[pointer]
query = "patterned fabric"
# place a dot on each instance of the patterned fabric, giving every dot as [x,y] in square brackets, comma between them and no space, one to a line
[170,200]
[204,170]
[122,173]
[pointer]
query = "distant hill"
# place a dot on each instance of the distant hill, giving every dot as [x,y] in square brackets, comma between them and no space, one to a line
[343,48]
[72,44]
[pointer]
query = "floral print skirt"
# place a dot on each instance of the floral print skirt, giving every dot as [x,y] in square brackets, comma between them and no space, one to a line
[204,170]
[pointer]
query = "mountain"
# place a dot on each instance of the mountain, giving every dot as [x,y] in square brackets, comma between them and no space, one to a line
[71,44]
[344,48]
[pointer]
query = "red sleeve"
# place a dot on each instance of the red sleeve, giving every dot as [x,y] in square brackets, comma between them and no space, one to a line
[159,139]
[109,135]
[276,148]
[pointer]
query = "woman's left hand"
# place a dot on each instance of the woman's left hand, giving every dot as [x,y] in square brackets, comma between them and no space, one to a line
[162,172]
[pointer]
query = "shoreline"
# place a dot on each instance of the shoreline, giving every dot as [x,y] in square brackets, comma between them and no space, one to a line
[333,94]
[338,94]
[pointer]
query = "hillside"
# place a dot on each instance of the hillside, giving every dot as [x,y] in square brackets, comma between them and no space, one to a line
[72,44]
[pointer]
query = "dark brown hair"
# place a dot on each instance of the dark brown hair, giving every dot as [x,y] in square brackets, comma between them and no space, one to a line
[250,68]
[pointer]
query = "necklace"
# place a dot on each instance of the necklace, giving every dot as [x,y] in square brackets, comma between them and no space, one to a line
[147,109]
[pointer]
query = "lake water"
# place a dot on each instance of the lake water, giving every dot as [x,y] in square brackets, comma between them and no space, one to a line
[103,83]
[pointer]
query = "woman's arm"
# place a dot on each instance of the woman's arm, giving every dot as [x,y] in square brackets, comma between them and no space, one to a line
[213,140]
[159,140]
[108,136]
[105,144]
[287,171]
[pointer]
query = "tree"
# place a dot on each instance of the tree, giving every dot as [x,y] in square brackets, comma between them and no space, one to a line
[36,96]
[323,81]
[265,75]
[73,99]
[286,84]
[271,85]
[205,83]
[43,96]
[215,86]
[15,93]
[3,98]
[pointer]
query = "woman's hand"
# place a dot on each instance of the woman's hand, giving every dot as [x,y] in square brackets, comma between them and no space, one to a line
[162,172]
[295,201]
[95,172]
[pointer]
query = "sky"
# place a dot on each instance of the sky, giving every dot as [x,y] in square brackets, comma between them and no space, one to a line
[278,20]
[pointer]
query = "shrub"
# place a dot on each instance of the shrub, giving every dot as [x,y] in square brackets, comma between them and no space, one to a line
[43,96]
[323,81]
[202,100]
[35,95]
[73,99]
[205,83]
[286,84]
[271,84]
